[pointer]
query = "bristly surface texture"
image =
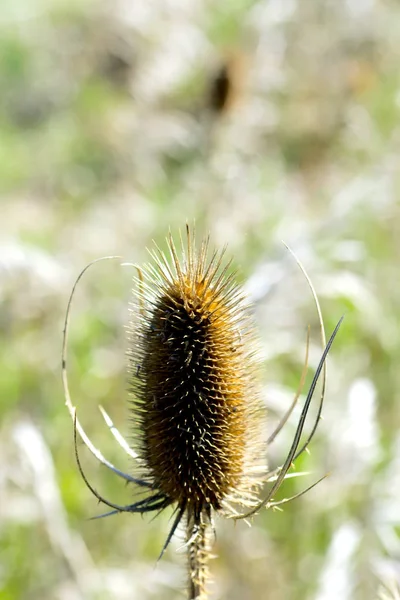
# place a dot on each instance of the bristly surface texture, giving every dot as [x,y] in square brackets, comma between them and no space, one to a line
[198,413]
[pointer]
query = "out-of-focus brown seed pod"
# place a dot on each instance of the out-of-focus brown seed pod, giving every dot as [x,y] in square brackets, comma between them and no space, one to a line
[226,84]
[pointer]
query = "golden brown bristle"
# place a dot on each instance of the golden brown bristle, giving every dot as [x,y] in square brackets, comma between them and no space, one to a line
[193,385]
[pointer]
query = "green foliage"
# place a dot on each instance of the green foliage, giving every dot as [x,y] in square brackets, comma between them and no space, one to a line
[106,142]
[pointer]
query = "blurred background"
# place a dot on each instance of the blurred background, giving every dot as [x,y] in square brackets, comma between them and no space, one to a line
[260,121]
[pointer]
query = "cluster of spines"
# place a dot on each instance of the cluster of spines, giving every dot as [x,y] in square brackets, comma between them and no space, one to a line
[192,377]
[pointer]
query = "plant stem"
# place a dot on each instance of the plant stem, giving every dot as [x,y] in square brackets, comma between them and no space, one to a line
[198,544]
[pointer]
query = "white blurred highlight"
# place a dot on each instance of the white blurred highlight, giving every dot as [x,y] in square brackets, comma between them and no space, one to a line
[361,435]
[336,580]
[36,454]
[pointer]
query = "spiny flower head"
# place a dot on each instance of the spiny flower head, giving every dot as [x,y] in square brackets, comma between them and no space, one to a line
[193,372]
[195,402]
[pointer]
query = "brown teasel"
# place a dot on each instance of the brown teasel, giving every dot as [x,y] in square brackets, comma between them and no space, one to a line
[199,417]
[227,83]
[220,89]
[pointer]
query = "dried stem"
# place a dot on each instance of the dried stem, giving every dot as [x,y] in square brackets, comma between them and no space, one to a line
[198,551]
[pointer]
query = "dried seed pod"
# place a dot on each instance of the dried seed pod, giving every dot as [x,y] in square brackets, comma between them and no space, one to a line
[198,415]
[193,373]
[227,83]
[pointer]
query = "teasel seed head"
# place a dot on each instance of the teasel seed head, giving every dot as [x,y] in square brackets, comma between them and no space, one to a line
[193,373]
[195,402]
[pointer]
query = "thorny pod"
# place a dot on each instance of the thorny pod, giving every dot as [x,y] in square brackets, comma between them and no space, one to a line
[199,417]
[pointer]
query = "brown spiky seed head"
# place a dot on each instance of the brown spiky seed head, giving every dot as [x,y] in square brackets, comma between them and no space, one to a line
[193,372]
